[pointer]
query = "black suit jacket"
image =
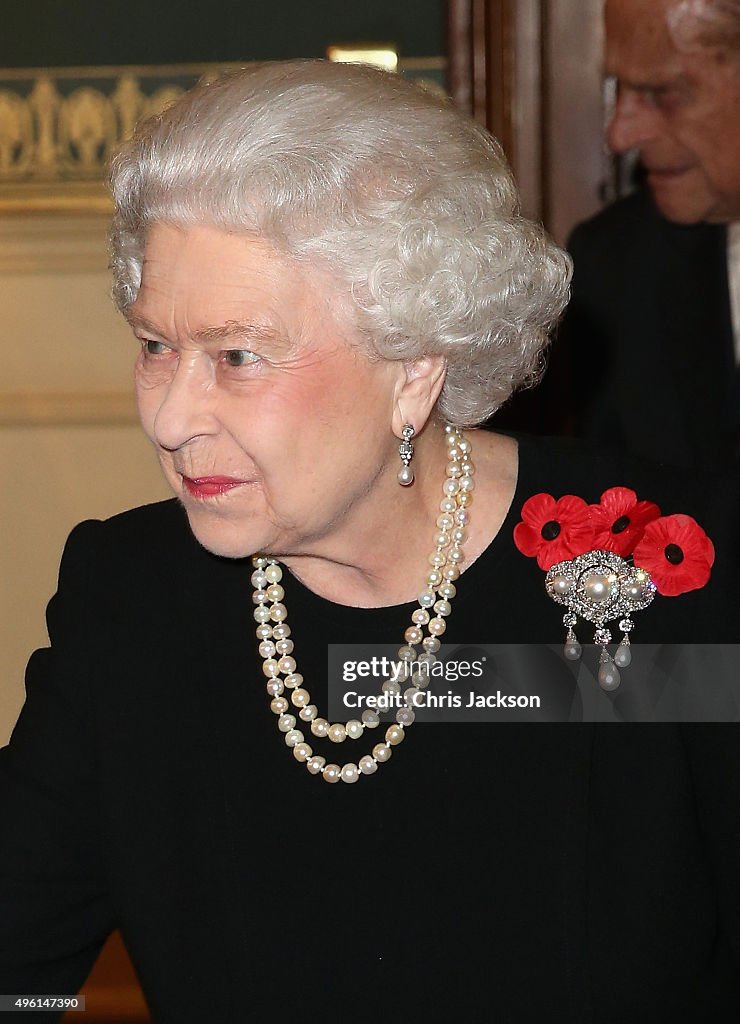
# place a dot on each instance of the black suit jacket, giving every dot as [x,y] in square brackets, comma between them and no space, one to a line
[646,351]
[507,874]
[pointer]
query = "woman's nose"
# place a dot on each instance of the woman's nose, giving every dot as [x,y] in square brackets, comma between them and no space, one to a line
[188,408]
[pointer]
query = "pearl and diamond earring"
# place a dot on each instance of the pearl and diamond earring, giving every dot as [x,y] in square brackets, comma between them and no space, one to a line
[406,451]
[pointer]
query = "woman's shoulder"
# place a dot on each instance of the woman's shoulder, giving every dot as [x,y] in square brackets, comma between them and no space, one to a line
[148,542]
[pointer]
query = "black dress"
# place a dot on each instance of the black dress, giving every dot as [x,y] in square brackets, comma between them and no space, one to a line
[490,872]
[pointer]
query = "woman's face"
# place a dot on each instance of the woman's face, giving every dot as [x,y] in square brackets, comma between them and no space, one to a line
[272,426]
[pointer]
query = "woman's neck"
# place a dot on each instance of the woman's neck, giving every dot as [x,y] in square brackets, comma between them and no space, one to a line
[379,556]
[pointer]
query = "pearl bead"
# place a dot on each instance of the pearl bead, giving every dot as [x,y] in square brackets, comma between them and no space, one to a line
[259,580]
[350,773]
[259,561]
[382,752]
[293,680]
[434,578]
[445,521]
[264,632]
[284,647]
[394,735]
[459,535]
[414,635]
[405,476]
[287,664]
[572,650]
[443,607]
[308,713]
[465,446]
[370,719]
[354,729]
[451,572]
[560,585]
[442,539]
[427,658]
[275,592]
[420,617]
[455,555]
[267,649]
[427,598]
[437,559]
[293,737]
[597,588]
[259,596]
[367,765]
[337,733]
[390,686]
[281,632]
[462,516]
[431,644]
[623,655]
[465,498]
[437,626]
[319,727]
[447,591]
[332,773]
[316,764]
[406,653]
[286,723]
[300,697]
[273,573]
[270,667]
[262,613]
[410,695]
[405,716]
[608,677]
[447,505]
[279,705]
[467,483]
[451,487]
[453,470]
[278,612]
[275,687]
[302,751]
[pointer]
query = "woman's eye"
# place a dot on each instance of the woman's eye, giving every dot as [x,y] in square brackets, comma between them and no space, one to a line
[240,357]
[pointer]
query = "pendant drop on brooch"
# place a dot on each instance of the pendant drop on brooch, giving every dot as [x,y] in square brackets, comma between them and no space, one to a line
[600,586]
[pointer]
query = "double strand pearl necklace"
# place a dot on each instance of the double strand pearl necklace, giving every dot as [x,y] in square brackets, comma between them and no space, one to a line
[276,647]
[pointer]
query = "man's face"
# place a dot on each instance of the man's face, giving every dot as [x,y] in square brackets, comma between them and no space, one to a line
[679,104]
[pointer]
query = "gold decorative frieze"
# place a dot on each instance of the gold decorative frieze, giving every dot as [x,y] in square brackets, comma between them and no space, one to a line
[59,126]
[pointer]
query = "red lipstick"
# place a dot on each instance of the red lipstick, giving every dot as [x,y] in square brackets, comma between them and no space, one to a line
[207,486]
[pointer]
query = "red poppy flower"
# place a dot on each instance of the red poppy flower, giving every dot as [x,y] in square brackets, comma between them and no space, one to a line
[677,554]
[620,520]
[554,531]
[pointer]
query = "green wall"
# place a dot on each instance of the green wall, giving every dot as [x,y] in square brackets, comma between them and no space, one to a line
[36,33]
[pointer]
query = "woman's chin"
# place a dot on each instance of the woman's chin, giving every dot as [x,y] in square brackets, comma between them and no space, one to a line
[223,537]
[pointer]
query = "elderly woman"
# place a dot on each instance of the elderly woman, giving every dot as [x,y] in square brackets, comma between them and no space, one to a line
[324,266]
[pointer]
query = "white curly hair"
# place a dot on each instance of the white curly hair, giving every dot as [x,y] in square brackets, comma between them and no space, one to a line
[409,203]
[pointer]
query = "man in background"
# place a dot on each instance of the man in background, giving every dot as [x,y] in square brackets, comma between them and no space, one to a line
[653,331]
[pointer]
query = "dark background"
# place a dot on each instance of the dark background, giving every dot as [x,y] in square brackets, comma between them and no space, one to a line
[61,33]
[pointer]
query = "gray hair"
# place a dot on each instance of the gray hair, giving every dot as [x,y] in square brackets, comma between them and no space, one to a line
[708,23]
[410,204]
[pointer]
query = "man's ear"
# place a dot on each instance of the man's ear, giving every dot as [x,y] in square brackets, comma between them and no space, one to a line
[417,392]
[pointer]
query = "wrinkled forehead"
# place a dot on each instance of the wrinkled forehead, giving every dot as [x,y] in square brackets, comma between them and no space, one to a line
[639,39]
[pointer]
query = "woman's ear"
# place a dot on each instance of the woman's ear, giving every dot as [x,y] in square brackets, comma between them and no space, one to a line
[417,392]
